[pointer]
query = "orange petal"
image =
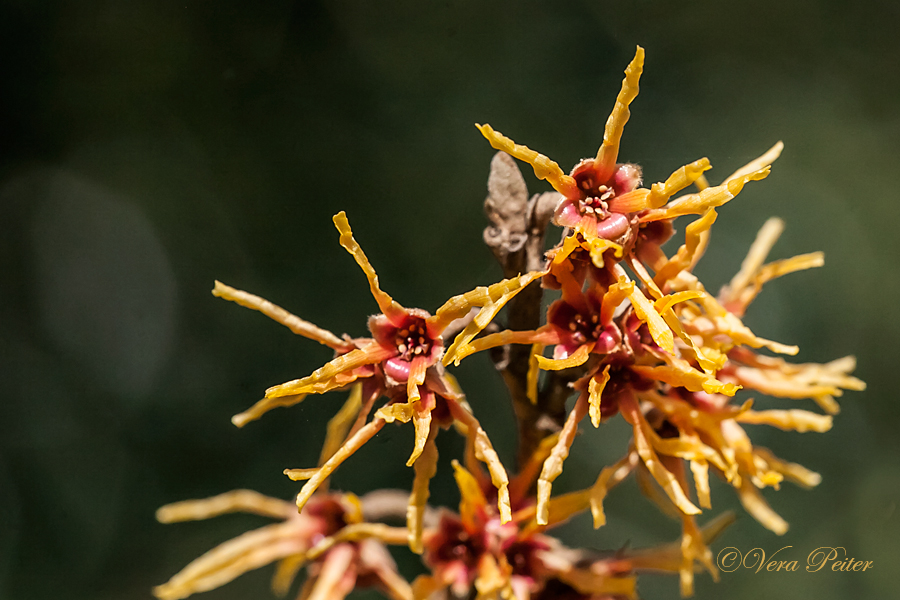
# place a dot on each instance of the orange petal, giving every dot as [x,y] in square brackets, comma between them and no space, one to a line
[491,299]
[677,181]
[328,377]
[659,331]
[531,379]
[353,444]
[391,309]
[699,203]
[612,135]
[278,314]
[576,359]
[472,500]
[666,480]
[246,501]
[340,423]
[426,468]
[544,168]
[265,405]
[553,466]
[595,391]
[756,164]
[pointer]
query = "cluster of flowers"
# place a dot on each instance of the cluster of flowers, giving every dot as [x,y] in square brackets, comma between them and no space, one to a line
[641,337]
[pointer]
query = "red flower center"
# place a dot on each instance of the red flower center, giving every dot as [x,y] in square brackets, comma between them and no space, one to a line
[413,340]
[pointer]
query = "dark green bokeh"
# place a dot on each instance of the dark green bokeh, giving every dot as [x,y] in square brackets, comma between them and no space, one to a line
[149,149]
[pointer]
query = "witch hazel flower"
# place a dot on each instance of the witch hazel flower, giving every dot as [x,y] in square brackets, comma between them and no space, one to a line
[472,552]
[649,341]
[330,538]
[633,332]
[401,362]
[602,201]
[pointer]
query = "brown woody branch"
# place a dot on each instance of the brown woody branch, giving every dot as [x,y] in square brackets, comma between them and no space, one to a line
[516,237]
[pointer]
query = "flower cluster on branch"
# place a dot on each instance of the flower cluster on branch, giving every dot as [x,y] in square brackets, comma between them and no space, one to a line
[632,332]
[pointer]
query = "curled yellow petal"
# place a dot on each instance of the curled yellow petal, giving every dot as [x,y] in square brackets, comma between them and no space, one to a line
[695,240]
[609,477]
[491,299]
[821,382]
[426,468]
[759,509]
[644,310]
[544,168]
[391,309]
[246,501]
[605,162]
[631,202]
[792,471]
[340,423]
[265,405]
[233,558]
[600,245]
[788,420]
[700,470]
[278,314]
[398,411]
[286,572]
[699,203]
[756,164]
[423,428]
[677,181]
[357,532]
[531,379]
[472,499]
[353,444]
[553,466]
[680,373]
[765,239]
[595,394]
[484,451]
[613,297]
[742,297]
[334,374]
[666,480]
[416,377]
[543,336]
[576,359]
[670,300]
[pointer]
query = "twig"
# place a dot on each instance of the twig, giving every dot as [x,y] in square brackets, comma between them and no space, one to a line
[516,237]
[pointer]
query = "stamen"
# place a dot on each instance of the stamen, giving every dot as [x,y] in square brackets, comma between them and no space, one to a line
[402,348]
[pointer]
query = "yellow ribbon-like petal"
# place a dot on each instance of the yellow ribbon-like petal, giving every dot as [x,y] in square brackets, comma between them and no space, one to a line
[544,168]
[605,162]
[391,309]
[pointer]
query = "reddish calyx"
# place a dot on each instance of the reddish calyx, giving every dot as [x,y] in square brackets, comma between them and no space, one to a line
[607,202]
[577,328]
[410,340]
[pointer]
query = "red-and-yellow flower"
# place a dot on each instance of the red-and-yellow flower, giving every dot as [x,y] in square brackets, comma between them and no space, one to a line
[401,362]
[340,551]
[651,343]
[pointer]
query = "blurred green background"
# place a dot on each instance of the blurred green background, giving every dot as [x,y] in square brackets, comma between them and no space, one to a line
[149,148]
